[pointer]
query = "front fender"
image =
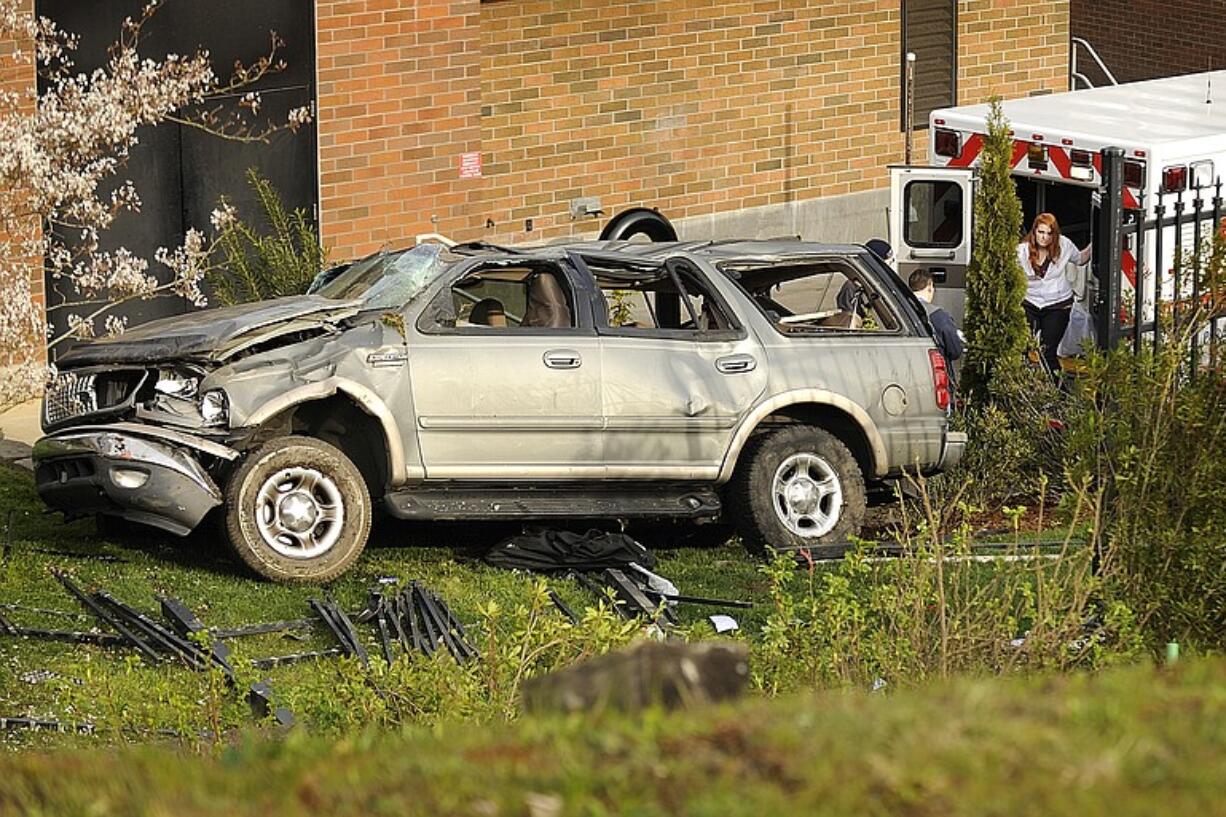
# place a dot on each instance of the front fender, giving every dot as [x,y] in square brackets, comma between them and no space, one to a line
[370,402]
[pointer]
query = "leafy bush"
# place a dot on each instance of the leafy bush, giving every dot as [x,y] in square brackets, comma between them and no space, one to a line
[257,265]
[937,611]
[1152,441]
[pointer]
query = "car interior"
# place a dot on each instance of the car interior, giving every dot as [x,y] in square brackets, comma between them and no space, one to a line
[816,296]
[513,297]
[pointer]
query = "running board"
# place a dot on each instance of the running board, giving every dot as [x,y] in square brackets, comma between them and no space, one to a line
[456,501]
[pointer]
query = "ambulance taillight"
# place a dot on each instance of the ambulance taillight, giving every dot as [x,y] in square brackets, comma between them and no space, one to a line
[1134,173]
[1082,165]
[1037,156]
[1175,179]
[947,143]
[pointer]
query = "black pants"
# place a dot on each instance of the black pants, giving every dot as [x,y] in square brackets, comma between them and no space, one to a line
[1050,322]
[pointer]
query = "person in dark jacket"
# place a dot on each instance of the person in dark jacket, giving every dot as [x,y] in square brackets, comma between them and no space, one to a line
[948,338]
[852,297]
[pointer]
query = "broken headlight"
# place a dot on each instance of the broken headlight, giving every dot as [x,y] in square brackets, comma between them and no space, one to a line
[214,407]
[176,384]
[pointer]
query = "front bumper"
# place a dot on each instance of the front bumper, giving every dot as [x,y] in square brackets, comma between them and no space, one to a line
[952,449]
[135,473]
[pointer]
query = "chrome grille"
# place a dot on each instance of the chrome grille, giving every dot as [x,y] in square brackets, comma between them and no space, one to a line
[71,395]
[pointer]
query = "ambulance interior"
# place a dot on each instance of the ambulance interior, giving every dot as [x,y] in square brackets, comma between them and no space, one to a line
[1073,207]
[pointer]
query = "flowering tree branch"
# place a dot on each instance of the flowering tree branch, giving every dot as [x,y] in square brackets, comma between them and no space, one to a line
[62,149]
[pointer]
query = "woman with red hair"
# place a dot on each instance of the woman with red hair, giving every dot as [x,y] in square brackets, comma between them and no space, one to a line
[1044,255]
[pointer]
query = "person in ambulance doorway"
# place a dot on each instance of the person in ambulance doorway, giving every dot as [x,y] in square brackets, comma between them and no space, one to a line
[1044,255]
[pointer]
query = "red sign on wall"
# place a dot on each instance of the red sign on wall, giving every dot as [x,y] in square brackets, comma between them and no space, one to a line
[470,165]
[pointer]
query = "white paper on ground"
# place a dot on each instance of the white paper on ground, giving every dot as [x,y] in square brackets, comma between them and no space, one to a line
[723,624]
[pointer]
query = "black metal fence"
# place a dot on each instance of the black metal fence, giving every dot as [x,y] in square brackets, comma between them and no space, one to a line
[1163,248]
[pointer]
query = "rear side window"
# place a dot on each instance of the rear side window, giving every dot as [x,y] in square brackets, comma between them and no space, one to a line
[675,303]
[824,296]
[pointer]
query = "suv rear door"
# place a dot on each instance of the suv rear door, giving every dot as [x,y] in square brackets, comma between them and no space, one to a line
[677,377]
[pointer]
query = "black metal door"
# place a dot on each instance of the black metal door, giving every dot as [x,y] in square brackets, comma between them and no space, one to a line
[180,171]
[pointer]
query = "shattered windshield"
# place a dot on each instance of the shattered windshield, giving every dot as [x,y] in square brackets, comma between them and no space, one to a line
[389,280]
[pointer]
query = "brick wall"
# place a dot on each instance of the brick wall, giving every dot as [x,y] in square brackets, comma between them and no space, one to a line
[1011,48]
[696,107]
[1146,39]
[398,102]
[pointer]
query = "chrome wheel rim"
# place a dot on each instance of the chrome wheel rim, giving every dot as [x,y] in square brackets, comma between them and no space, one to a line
[299,512]
[808,497]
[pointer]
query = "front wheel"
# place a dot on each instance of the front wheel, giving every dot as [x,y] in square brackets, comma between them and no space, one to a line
[797,487]
[297,510]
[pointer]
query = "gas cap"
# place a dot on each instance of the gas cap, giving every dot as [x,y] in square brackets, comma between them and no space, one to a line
[894,399]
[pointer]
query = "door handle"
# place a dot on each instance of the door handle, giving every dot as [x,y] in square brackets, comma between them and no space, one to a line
[736,364]
[562,359]
[933,255]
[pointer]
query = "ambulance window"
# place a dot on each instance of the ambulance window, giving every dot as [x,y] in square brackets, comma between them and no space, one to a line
[934,214]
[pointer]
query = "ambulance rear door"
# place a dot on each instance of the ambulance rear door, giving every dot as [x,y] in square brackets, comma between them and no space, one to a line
[931,214]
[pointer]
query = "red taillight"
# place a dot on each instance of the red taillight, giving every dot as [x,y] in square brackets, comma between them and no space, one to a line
[940,378]
[1134,174]
[947,143]
[1175,179]
[1081,158]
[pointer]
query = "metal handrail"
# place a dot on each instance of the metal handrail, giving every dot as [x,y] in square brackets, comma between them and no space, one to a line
[1075,75]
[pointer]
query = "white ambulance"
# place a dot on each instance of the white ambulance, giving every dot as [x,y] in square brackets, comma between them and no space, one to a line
[1172,131]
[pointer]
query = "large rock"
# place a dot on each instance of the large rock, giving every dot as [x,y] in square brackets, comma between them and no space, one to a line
[671,674]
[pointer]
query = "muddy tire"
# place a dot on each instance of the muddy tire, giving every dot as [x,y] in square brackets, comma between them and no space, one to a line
[297,510]
[796,487]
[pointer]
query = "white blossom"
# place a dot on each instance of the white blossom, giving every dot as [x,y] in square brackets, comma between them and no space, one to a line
[222,217]
[299,117]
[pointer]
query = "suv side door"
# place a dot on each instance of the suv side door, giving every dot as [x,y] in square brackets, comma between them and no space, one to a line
[672,397]
[498,395]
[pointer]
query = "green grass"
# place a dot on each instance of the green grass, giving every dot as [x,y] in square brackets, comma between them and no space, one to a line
[1134,741]
[845,625]
[95,682]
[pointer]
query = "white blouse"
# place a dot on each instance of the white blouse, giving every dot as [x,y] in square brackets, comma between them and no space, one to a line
[1053,287]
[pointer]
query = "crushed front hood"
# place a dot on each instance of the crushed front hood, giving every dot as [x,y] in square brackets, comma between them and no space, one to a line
[202,334]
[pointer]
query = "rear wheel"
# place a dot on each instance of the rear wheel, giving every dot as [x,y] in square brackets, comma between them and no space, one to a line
[797,487]
[297,510]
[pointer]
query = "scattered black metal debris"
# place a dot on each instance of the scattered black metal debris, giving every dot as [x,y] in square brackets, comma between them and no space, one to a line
[6,547]
[44,611]
[186,624]
[334,617]
[44,725]
[262,629]
[418,620]
[105,616]
[293,658]
[633,601]
[161,638]
[260,699]
[563,607]
[682,599]
[68,636]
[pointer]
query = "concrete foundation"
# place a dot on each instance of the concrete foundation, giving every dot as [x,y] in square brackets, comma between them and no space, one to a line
[851,219]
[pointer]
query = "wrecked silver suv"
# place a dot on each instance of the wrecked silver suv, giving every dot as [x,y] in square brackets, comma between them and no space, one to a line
[689,381]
